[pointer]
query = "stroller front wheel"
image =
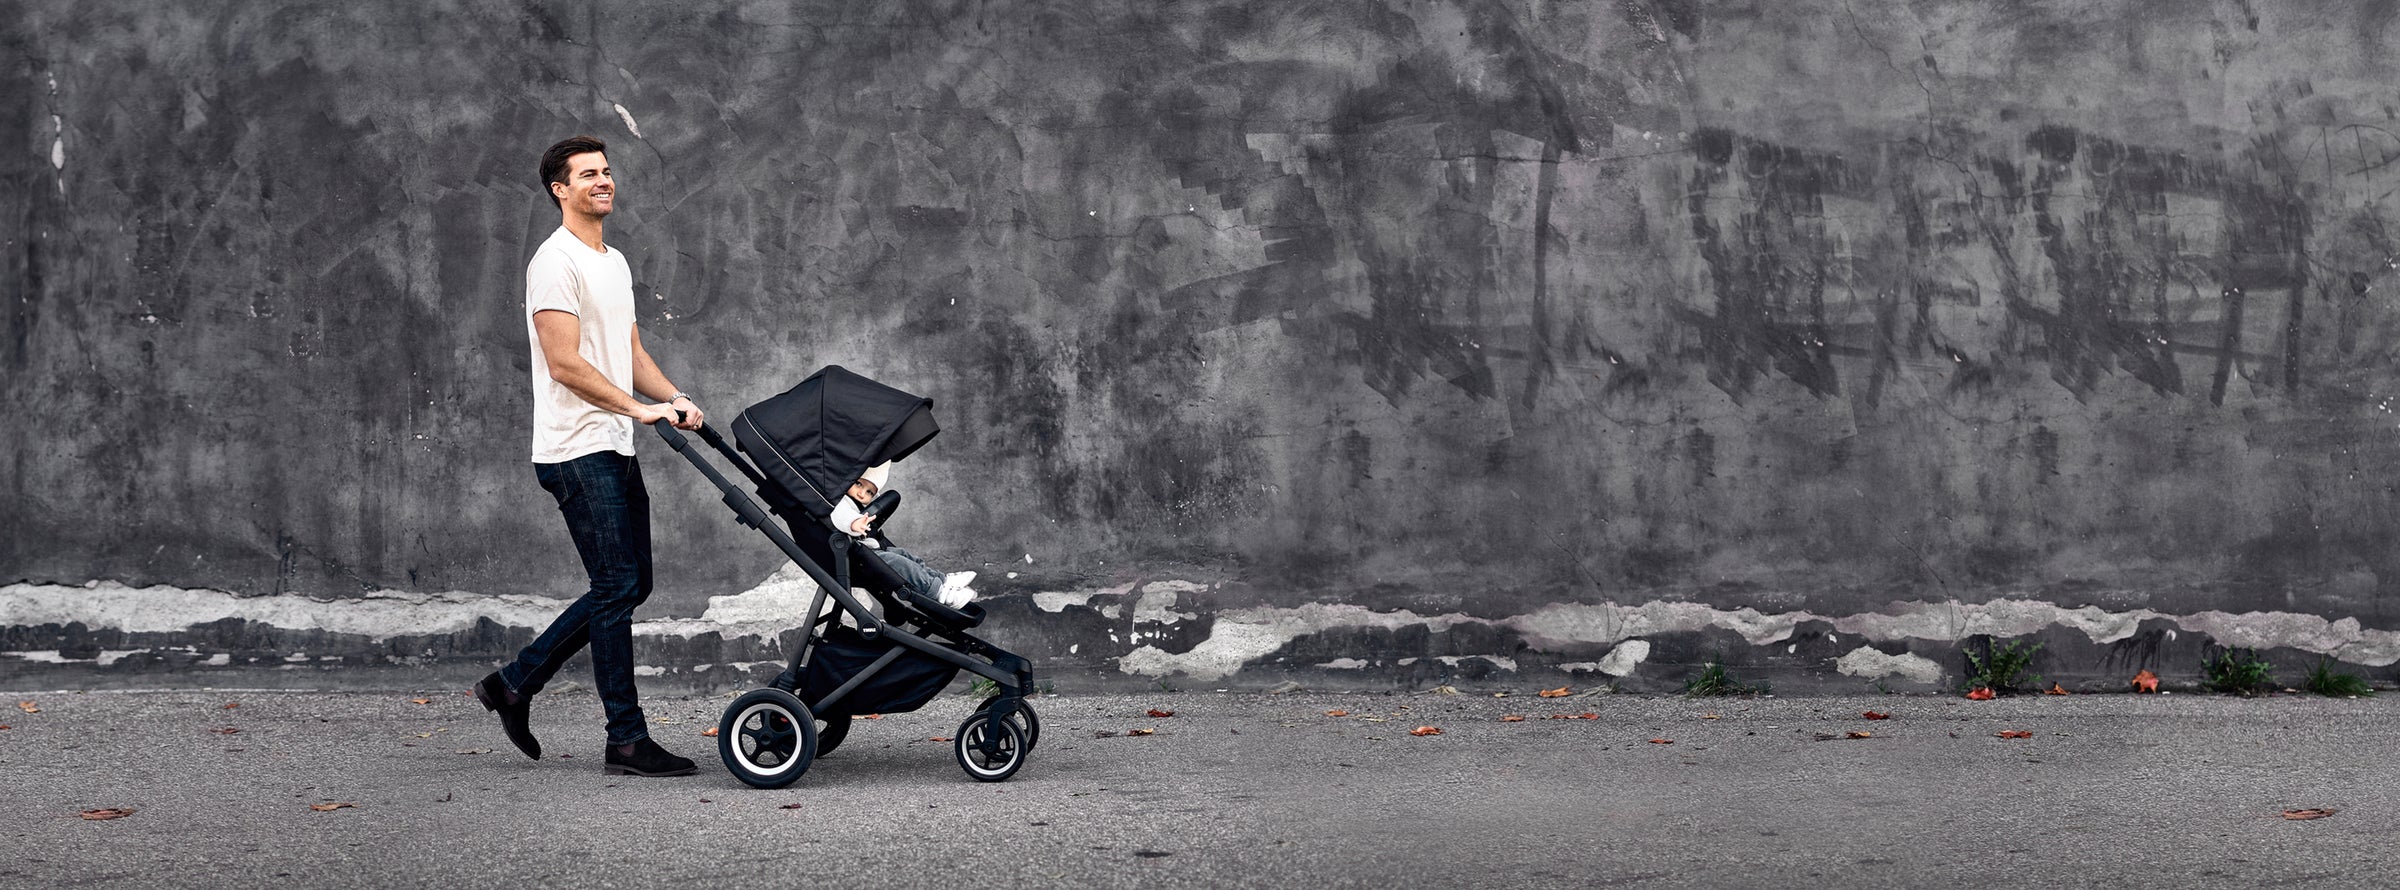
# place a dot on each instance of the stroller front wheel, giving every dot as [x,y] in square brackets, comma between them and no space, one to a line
[989,766]
[767,738]
[1025,717]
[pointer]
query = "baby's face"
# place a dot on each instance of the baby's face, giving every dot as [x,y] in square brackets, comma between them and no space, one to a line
[862,491]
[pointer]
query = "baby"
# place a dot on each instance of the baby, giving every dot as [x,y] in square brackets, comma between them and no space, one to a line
[950,589]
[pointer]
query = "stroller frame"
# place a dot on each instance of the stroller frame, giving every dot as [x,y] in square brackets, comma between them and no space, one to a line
[989,746]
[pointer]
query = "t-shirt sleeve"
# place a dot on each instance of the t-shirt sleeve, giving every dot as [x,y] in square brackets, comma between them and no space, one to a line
[551,283]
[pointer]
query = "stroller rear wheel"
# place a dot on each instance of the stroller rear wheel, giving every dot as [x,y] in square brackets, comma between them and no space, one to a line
[767,738]
[1026,719]
[989,766]
[830,735]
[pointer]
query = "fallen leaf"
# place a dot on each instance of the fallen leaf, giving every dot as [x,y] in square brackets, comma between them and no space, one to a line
[939,738]
[1337,713]
[1512,718]
[1861,735]
[1445,690]
[2294,815]
[789,806]
[1560,692]
[1587,715]
[3,727]
[2145,681]
[1499,695]
[1132,732]
[424,735]
[421,701]
[1425,730]
[1876,715]
[710,732]
[31,708]
[330,807]
[1154,712]
[2056,689]
[1710,717]
[1983,693]
[474,750]
[1104,734]
[2015,734]
[230,706]
[1662,741]
[230,730]
[122,812]
[870,716]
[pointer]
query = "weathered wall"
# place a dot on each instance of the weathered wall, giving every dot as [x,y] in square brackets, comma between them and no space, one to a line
[1385,340]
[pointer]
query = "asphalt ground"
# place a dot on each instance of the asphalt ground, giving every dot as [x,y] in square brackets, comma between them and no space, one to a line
[1233,790]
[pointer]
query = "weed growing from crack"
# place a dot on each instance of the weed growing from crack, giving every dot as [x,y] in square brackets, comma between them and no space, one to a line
[1714,681]
[2323,681]
[2002,668]
[2237,672]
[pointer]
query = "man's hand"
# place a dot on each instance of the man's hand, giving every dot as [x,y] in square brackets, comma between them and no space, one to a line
[692,415]
[649,414]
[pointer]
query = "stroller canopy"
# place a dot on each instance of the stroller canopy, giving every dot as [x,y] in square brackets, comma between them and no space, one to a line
[819,436]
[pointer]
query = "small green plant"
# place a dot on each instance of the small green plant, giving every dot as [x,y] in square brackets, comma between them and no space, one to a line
[2237,672]
[2002,668]
[2323,681]
[1713,681]
[983,687]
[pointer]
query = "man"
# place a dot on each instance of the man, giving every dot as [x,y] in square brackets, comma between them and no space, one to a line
[588,362]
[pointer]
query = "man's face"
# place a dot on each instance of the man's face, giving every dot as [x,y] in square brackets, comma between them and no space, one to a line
[591,187]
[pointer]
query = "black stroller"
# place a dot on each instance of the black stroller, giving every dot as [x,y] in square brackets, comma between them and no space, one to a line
[805,447]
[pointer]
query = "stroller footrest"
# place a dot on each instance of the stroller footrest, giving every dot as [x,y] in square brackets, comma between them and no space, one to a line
[934,611]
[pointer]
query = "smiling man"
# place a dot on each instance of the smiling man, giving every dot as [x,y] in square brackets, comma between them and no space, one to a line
[588,364]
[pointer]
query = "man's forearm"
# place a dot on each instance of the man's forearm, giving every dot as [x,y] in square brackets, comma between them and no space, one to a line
[587,383]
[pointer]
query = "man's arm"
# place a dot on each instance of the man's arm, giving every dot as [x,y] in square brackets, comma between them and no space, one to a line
[561,334]
[650,381]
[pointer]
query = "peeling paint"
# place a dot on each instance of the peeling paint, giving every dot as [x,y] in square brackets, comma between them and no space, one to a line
[630,126]
[1345,664]
[1871,663]
[1621,660]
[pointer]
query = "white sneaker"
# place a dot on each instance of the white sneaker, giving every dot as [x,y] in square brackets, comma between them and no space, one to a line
[955,592]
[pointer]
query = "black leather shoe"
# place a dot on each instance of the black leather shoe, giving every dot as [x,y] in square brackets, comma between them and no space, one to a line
[495,696]
[647,759]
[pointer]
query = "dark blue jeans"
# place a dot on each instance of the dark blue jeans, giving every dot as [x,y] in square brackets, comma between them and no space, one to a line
[608,514]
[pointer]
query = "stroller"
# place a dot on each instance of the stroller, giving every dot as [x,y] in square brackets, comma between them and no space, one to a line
[805,447]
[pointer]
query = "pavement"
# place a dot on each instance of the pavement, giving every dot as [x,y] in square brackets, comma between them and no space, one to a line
[1232,790]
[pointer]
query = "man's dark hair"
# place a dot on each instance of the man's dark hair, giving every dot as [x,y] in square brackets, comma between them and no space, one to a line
[554,161]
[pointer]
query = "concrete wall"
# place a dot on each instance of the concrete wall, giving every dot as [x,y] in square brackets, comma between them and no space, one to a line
[1364,342]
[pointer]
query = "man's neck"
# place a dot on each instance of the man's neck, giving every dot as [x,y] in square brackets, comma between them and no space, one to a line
[586,229]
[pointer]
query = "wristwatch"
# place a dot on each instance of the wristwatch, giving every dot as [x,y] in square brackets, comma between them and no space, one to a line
[681,395]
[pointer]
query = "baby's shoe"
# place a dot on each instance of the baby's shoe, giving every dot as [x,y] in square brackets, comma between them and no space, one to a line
[955,592]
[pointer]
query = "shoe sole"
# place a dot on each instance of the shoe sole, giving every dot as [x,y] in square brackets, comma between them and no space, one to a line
[619,770]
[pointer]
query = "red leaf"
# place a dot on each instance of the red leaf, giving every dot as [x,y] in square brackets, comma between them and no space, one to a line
[1662,741]
[1983,693]
[1512,718]
[1337,713]
[421,701]
[1154,712]
[226,731]
[2056,689]
[1862,735]
[1132,732]
[231,705]
[3,726]
[122,812]
[2145,681]
[870,716]
[2015,734]
[710,732]
[30,708]
[1425,730]
[789,806]
[330,807]
[2294,815]
[1876,715]
[1560,692]
[939,738]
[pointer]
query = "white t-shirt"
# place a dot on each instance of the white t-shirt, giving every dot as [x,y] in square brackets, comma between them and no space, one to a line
[597,287]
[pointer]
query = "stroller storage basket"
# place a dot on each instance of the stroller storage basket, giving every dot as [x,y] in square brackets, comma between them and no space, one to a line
[902,686]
